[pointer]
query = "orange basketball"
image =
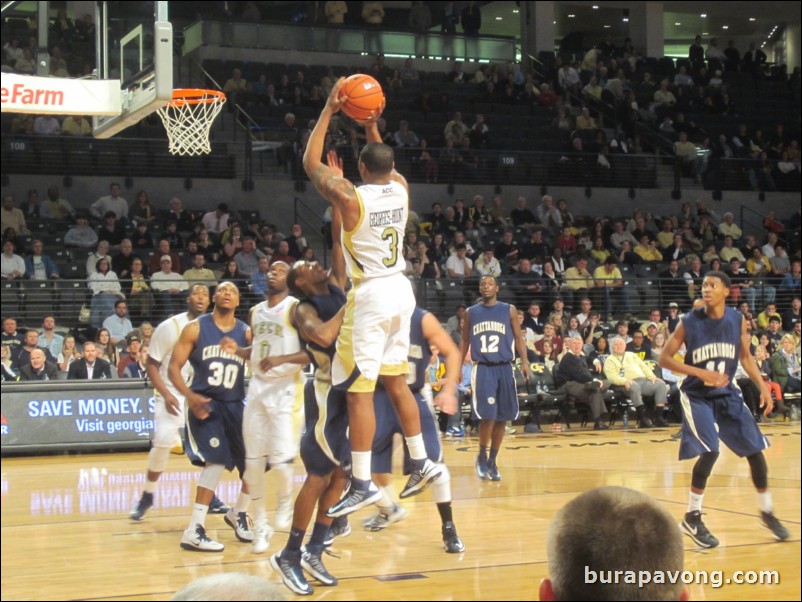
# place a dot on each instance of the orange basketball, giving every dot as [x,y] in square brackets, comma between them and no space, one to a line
[365,97]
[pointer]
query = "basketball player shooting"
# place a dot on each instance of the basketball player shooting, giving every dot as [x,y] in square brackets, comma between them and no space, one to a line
[374,339]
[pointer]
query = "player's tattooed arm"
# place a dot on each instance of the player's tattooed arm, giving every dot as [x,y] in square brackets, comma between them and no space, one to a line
[335,189]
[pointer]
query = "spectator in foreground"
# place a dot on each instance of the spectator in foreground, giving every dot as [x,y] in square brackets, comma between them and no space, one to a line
[606,530]
[229,586]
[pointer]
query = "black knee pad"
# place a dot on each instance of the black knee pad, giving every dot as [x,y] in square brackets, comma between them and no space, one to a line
[702,469]
[760,470]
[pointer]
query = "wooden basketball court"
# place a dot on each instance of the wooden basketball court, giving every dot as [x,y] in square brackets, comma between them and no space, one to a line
[66,535]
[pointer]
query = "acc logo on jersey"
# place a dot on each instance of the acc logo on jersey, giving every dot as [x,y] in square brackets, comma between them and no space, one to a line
[491,400]
[214,442]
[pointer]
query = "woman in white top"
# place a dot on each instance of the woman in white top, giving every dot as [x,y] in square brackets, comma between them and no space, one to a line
[105,289]
[573,327]
[69,353]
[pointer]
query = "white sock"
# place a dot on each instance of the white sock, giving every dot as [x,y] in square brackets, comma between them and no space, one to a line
[695,501]
[284,474]
[386,503]
[243,500]
[765,502]
[150,486]
[198,516]
[441,490]
[361,465]
[417,449]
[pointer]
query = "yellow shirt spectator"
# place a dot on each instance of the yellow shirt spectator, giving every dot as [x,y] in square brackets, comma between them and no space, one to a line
[649,252]
[76,125]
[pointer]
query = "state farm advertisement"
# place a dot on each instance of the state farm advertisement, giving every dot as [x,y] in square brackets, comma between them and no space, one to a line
[60,96]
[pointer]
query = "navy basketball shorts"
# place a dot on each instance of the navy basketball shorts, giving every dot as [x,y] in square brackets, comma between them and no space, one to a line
[218,438]
[388,424]
[494,393]
[324,444]
[706,421]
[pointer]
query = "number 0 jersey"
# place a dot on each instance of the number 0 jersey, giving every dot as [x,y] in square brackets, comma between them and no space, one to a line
[713,345]
[218,375]
[373,248]
[274,334]
[492,339]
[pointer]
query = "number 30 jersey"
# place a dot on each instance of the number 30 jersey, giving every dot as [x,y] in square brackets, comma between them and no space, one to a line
[273,335]
[218,375]
[492,339]
[373,248]
[713,345]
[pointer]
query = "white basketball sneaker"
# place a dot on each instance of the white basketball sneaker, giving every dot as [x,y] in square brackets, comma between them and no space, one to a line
[262,532]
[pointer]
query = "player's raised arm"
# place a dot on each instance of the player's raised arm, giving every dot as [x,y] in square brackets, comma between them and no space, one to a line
[337,274]
[337,190]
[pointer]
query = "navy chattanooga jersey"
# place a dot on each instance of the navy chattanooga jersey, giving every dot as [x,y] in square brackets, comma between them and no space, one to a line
[492,339]
[218,375]
[713,345]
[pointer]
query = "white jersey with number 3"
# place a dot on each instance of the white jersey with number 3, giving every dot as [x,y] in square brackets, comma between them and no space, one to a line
[273,335]
[373,248]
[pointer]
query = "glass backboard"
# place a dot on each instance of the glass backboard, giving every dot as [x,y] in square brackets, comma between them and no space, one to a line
[135,45]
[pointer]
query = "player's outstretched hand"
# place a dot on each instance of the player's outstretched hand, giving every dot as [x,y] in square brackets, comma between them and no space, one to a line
[335,163]
[334,102]
[374,116]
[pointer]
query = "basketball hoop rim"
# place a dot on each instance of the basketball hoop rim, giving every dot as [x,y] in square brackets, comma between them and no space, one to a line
[196,96]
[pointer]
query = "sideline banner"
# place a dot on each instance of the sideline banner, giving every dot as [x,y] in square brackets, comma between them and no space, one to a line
[75,415]
[60,96]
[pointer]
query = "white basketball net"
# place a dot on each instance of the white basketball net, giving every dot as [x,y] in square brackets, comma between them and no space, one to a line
[188,120]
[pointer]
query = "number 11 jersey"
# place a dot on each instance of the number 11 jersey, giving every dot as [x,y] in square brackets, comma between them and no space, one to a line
[713,345]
